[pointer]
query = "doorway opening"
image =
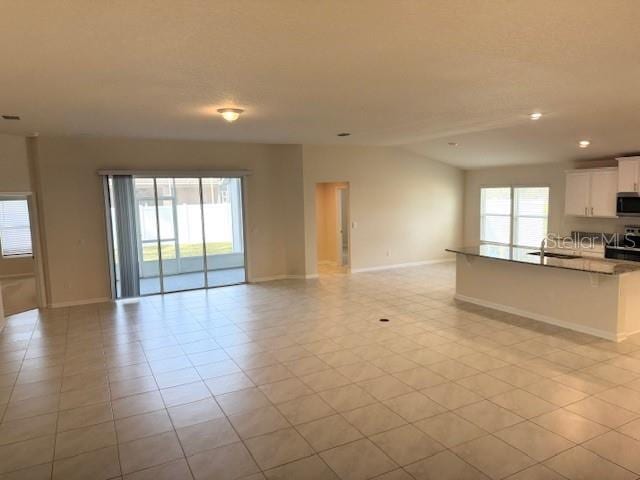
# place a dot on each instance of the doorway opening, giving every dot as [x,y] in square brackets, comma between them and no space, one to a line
[20,286]
[171,234]
[332,228]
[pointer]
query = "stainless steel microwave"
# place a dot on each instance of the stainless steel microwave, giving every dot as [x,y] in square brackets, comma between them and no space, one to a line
[628,205]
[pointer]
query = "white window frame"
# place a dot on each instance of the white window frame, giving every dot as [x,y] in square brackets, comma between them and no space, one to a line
[512,216]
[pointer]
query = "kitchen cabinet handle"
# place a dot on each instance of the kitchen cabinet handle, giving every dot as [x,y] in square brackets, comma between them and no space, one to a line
[585,211]
[635,186]
[592,211]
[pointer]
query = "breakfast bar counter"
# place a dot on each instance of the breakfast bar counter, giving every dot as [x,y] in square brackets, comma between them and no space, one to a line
[597,296]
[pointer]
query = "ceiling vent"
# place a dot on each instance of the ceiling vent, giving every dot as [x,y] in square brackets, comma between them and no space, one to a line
[11,117]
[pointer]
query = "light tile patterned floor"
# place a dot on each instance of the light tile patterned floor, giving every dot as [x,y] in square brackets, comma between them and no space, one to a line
[300,380]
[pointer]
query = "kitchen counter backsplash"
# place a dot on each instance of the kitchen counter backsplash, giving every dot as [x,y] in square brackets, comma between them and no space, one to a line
[579,239]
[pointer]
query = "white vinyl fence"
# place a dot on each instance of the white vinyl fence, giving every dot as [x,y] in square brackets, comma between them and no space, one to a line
[218,223]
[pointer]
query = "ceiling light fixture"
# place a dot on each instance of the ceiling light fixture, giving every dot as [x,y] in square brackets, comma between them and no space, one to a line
[230,114]
[584,143]
[535,116]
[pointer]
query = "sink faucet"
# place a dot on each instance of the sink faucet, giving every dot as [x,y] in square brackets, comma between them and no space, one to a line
[543,245]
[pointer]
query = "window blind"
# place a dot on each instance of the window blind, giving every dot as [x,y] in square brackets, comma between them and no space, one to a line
[530,213]
[514,216]
[15,229]
[495,215]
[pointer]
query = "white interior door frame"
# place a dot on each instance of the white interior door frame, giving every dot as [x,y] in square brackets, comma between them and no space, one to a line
[342,209]
[41,292]
[36,245]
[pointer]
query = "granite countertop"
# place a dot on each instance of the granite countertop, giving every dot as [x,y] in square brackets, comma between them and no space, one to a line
[522,255]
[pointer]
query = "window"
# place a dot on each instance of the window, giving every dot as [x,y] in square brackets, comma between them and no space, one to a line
[530,212]
[495,215]
[514,215]
[15,229]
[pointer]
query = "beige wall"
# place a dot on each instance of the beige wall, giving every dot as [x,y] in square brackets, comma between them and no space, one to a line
[403,203]
[548,174]
[10,267]
[14,165]
[14,178]
[292,214]
[73,206]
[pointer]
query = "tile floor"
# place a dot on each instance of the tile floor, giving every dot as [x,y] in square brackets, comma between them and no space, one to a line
[300,380]
[332,269]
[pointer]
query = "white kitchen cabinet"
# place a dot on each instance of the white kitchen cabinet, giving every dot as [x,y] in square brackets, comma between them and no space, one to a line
[604,190]
[576,197]
[628,174]
[591,192]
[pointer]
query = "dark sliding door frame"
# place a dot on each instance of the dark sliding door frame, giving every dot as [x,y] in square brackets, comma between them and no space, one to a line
[240,175]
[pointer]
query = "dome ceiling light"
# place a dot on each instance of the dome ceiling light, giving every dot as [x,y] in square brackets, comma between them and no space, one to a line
[230,114]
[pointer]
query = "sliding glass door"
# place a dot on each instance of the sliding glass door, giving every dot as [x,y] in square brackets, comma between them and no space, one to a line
[187,233]
[223,232]
[147,244]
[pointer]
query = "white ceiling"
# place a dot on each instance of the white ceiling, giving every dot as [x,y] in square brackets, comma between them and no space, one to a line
[418,74]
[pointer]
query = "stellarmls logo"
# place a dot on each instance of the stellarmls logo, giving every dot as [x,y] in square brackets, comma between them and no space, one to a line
[566,241]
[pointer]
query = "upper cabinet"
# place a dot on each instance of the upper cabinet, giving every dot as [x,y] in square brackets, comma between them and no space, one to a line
[576,197]
[628,174]
[591,192]
[604,190]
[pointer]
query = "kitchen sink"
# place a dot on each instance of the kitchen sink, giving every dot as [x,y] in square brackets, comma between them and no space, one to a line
[564,256]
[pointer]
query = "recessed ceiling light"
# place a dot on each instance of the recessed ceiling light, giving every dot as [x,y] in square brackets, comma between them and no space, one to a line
[452,144]
[11,117]
[584,143]
[535,116]
[230,114]
[344,134]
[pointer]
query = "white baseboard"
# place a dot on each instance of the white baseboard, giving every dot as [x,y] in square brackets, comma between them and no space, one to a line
[270,278]
[312,276]
[75,303]
[616,337]
[402,265]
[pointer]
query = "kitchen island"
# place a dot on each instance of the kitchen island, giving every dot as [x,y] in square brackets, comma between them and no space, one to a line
[597,296]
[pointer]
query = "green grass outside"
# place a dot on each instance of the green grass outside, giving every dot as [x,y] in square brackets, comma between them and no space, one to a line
[150,252]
